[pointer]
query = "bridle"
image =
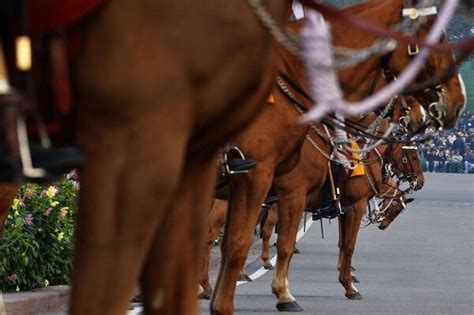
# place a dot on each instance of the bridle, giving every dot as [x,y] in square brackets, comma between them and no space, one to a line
[437,109]
[391,197]
[401,165]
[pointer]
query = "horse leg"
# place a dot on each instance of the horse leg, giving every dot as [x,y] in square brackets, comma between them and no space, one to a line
[342,236]
[351,225]
[270,223]
[170,288]
[248,192]
[290,210]
[7,194]
[215,222]
[243,276]
[132,170]
[341,219]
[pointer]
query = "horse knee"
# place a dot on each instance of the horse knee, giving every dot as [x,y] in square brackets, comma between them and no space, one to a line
[284,251]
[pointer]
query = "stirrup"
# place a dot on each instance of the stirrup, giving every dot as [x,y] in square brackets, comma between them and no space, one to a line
[20,161]
[44,162]
[269,201]
[329,210]
[234,162]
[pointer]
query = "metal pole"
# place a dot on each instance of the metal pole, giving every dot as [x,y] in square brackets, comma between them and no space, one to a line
[322,228]
[304,223]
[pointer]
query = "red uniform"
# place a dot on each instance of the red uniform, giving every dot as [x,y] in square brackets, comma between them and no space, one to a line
[48,15]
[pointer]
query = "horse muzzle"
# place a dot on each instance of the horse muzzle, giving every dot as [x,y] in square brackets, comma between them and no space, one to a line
[419,183]
[384,224]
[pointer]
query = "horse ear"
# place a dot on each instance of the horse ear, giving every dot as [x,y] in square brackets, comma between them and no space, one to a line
[409,200]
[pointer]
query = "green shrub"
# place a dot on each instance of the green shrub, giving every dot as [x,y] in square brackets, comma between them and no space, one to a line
[37,244]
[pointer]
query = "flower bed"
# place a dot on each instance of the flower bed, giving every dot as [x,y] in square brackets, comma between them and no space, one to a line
[37,245]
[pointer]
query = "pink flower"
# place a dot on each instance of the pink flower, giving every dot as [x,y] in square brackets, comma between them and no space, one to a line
[74,175]
[29,219]
[43,193]
[63,212]
[48,211]
[12,278]
[28,193]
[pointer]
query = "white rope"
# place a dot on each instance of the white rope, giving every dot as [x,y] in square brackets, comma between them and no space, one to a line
[369,147]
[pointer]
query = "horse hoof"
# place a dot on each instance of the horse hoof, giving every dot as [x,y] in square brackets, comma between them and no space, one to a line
[268,266]
[289,307]
[296,251]
[205,296]
[354,279]
[354,296]
[244,277]
[137,299]
[353,269]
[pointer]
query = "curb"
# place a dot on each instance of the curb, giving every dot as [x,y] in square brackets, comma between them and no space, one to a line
[45,301]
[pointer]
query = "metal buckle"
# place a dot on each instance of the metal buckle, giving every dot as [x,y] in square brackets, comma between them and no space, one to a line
[413,49]
[404,121]
[412,13]
[415,13]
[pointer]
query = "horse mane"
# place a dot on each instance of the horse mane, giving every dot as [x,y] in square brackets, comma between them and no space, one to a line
[359,7]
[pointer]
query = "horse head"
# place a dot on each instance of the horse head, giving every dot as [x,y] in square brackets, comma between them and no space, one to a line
[406,164]
[410,114]
[393,206]
[444,98]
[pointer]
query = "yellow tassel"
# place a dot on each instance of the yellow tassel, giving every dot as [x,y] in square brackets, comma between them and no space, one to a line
[23,53]
[359,170]
[271,99]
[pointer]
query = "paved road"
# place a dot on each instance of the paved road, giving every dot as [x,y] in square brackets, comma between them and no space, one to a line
[423,264]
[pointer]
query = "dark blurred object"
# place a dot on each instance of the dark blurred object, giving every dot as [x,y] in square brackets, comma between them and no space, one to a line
[466,8]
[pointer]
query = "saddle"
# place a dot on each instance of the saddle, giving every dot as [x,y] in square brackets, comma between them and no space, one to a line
[34,114]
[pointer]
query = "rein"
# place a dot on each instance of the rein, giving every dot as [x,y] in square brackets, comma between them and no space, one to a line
[350,126]
[324,135]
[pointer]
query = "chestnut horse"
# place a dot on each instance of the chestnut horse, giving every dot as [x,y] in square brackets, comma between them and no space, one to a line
[358,190]
[275,142]
[161,85]
[170,91]
[309,176]
[215,221]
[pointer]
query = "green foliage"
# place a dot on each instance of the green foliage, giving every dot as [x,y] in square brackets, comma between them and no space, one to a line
[219,237]
[220,234]
[37,244]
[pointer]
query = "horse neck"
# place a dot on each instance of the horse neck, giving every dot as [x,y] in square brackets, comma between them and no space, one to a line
[382,12]
[375,168]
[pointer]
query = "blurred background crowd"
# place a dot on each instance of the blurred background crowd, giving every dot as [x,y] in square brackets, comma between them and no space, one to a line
[453,150]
